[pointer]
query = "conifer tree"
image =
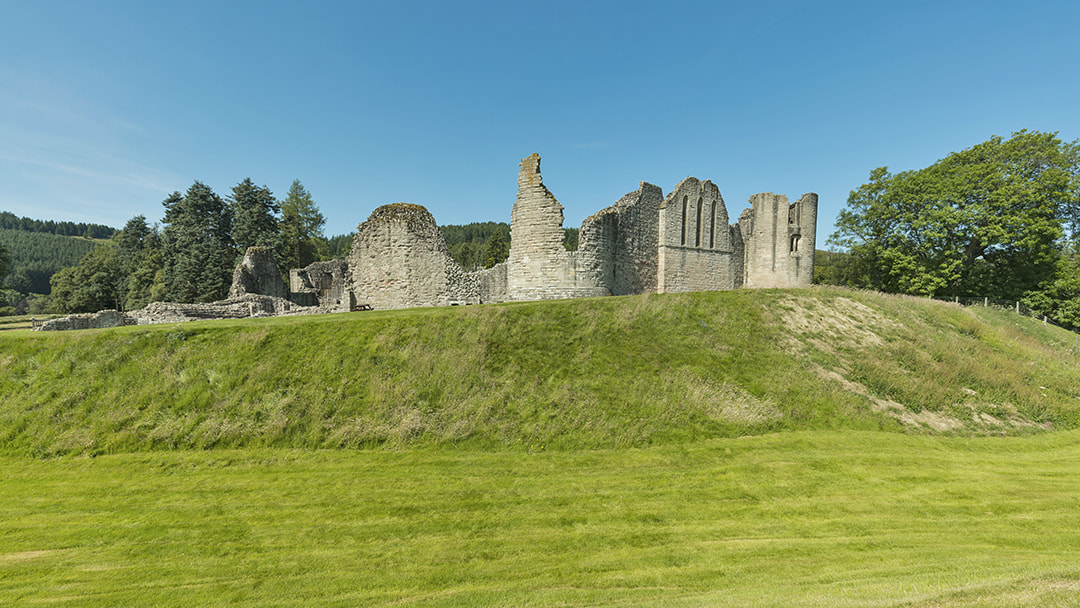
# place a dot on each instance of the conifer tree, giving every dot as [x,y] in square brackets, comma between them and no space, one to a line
[197,247]
[301,228]
[254,211]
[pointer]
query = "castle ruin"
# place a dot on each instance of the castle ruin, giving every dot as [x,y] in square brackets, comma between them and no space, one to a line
[644,243]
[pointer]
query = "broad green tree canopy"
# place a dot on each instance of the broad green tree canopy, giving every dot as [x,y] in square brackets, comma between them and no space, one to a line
[988,220]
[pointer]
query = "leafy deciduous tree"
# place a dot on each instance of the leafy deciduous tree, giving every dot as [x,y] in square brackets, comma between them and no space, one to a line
[96,283]
[987,220]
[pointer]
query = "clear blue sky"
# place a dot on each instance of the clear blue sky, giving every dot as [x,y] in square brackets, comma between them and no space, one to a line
[106,107]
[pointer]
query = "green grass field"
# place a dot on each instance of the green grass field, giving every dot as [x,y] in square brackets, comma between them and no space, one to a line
[752,448]
[794,519]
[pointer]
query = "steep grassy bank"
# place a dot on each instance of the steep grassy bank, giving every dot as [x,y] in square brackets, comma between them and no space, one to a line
[815,518]
[606,372]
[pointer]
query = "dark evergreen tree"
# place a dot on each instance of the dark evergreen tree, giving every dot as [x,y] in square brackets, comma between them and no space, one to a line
[301,229]
[339,247]
[140,253]
[255,221]
[5,261]
[497,249]
[197,248]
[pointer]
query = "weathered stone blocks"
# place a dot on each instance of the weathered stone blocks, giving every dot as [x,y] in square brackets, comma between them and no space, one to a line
[399,259]
[258,273]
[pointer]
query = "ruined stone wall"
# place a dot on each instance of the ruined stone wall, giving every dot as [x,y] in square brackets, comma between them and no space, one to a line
[780,241]
[258,273]
[617,247]
[399,259]
[696,250]
[492,282]
[539,267]
[321,284]
[97,320]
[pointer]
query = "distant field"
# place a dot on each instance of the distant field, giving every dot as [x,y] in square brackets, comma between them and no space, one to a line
[793,519]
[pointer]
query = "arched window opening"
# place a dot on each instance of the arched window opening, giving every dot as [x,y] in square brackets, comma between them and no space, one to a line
[794,243]
[683,241]
[697,232]
[712,225]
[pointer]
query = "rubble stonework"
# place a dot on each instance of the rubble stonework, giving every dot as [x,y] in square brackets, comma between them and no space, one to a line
[399,259]
[97,320]
[240,307]
[258,274]
[643,243]
[320,284]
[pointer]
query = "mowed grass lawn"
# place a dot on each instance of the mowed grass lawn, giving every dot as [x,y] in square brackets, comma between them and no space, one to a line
[813,518]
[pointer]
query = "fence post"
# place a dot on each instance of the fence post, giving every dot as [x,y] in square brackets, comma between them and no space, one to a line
[1044,320]
[986,302]
[1018,307]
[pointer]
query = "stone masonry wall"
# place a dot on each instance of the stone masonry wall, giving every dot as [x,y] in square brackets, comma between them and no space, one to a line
[617,246]
[539,267]
[492,282]
[399,259]
[320,284]
[258,273]
[780,241]
[696,250]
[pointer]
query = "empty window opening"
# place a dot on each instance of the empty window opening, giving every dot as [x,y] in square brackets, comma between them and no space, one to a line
[697,235]
[683,241]
[712,225]
[794,243]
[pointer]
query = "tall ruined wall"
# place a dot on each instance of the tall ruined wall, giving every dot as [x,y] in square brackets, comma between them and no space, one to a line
[696,251]
[780,240]
[399,259]
[539,267]
[617,246]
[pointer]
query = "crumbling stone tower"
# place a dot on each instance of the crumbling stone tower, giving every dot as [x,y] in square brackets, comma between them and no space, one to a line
[539,267]
[779,240]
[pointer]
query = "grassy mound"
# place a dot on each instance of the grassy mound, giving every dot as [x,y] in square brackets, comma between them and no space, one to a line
[607,372]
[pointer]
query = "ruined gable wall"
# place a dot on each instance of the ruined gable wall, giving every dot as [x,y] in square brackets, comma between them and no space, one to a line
[696,251]
[539,267]
[399,259]
[780,241]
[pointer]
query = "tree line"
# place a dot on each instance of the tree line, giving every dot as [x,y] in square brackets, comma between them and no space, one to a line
[1000,220]
[485,244]
[191,256]
[8,221]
